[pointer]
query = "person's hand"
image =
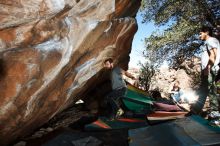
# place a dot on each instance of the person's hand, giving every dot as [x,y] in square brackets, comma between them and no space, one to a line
[133,78]
[136,83]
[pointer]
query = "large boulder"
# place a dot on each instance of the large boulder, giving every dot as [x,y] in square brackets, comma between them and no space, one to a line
[187,74]
[52,53]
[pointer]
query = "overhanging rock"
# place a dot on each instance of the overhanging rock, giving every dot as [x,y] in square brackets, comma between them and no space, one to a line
[52,53]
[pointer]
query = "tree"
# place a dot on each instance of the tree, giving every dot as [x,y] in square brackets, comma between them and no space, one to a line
[146,73]
[183,20]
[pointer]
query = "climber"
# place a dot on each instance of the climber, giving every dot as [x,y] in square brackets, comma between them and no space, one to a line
[114,98]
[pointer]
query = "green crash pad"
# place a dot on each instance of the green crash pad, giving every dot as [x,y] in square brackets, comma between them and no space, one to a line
[136,100]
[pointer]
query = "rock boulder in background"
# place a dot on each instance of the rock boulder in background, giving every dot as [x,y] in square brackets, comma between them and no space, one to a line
[188,76]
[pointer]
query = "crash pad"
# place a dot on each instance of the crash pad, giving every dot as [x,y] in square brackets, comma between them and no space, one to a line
[188,131]
[121,123]
[136,100]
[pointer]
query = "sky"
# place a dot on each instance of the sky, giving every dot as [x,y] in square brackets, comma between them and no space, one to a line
[144,30]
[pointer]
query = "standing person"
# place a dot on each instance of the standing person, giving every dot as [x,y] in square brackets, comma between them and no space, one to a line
[210,66]
[119,88]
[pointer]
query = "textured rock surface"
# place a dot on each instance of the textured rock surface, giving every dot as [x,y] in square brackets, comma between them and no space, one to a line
[187,75]
[51,54]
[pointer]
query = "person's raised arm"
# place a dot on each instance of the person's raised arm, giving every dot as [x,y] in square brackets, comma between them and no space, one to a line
[128,74]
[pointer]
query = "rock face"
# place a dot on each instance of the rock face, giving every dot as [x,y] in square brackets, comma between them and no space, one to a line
[52,53]
[187,75]
[165,78]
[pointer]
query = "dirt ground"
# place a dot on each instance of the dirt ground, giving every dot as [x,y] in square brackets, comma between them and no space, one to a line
[62,120]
